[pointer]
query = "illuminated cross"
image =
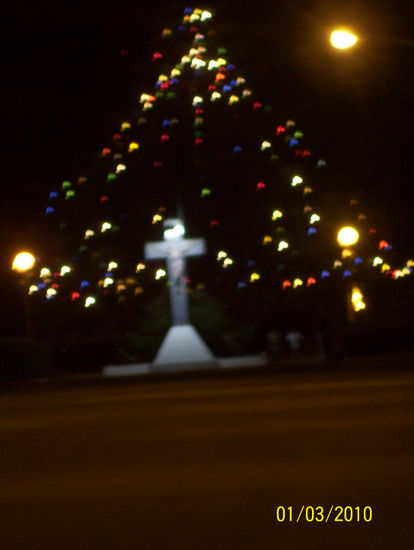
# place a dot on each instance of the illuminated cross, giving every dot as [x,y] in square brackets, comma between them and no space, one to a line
[175,249]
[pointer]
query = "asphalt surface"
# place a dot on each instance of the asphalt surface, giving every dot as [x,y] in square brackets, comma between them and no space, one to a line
[204,463]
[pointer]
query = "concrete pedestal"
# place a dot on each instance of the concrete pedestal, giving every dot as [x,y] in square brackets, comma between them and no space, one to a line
[142,369]
[183,348]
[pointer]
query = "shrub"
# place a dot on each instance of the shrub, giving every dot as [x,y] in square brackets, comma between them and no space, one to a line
[224,334]
[23,359]
[372,339]
[77,353]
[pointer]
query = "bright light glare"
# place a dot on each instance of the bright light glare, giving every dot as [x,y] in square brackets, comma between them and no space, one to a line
[342,39]
[357,299]
[347,236]
[23,262]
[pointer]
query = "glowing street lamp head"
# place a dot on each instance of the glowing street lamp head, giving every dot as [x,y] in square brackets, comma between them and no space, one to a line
[24,261]
[342,39]
[347,236]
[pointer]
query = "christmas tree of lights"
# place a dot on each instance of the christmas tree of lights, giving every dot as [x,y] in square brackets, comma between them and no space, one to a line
[203,148]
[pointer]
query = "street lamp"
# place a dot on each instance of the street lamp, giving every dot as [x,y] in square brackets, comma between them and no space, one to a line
[347,236]
[342,39]
[23,262]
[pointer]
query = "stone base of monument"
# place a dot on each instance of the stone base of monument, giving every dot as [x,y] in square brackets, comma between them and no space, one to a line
[183,346]
[183,349]
[142,369]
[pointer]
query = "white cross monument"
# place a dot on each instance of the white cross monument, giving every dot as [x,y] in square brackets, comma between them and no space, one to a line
[182,347]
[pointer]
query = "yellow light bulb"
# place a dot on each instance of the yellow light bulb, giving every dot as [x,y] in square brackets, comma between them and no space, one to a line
[296,180]
[51,292]
[133,147]
[276,214]
[265,145]
[45,272]
[160,273]
[357,299]
[108,281]
[105,227]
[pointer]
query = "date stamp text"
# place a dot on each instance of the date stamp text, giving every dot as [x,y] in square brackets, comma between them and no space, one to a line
[322,514]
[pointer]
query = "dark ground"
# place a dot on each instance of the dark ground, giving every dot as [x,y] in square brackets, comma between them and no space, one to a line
[203,462]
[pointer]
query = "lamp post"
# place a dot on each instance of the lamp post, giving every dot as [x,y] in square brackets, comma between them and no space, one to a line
[348,236]
[23,262]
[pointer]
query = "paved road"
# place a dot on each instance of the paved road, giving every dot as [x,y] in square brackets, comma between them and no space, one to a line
[204,463]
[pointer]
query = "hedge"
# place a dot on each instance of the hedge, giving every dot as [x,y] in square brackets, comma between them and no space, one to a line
[23,359]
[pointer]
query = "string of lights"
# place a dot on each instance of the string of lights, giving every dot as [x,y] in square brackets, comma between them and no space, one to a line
[265,172]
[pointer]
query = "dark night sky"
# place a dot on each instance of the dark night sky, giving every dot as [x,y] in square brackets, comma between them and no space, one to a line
[66,88]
